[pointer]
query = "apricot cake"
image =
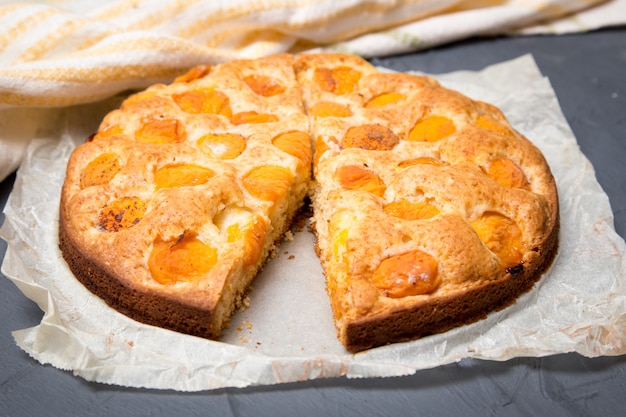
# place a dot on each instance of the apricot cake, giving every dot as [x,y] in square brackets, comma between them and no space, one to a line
[430,210]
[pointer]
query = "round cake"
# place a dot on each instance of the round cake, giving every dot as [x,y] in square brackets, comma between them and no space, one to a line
[430,210]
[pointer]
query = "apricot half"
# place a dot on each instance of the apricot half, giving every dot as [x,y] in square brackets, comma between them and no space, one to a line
[432,128]
[101,170]
[408,210]
[295,143]
[159,131]
[194,73]
[252,234]
[330,109]
[183,259]
[422,160]
[320,148]
[490,123]
[507,173]
[121,214]
[178,175]
[247,117]
[371,137]
[263,85]
[410,273]
[339,80]
[501,235]
[384,99]
[268,182]
[108,132]
[355,177]
[222,145]
[204,101]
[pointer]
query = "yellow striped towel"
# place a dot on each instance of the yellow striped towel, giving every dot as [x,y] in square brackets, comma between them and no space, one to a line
[55,53]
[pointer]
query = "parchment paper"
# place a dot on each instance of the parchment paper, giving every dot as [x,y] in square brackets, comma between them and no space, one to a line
[287,333]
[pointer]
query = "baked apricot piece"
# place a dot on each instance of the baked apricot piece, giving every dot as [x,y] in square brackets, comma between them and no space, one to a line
[423,160]
[268,182]
[372,137]
[264,86]
[101,170]
[339,242]
[133,99]
[252,117]
[194,73]
[338,231]
[408,210]
[222,145]
[183,259]
[295,143]
[490,123]
[410,273]
[252,235]
[320,148]
[355,177]
[121,214]
[501,235]
[431,129]
[339,80]
[384,99]
[159,131]
[507,173]
[108,132]
[204,101]
[179,175]
[330,109]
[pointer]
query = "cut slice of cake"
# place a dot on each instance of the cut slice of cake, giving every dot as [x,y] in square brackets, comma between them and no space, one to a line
[170,210]
[430,210]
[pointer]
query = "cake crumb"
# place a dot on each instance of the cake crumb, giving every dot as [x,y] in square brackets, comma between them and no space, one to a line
[289,235]
[291,257]
[244,303]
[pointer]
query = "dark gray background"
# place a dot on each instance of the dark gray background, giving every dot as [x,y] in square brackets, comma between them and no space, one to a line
[588,73]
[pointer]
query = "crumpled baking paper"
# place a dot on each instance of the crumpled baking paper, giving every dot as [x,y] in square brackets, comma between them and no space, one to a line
[287,333]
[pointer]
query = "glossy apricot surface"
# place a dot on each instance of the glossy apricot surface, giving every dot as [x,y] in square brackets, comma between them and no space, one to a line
[410,273]
[100,170]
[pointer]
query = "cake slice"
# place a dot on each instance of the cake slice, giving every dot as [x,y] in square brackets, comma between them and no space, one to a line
[430,210]
[172,208]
